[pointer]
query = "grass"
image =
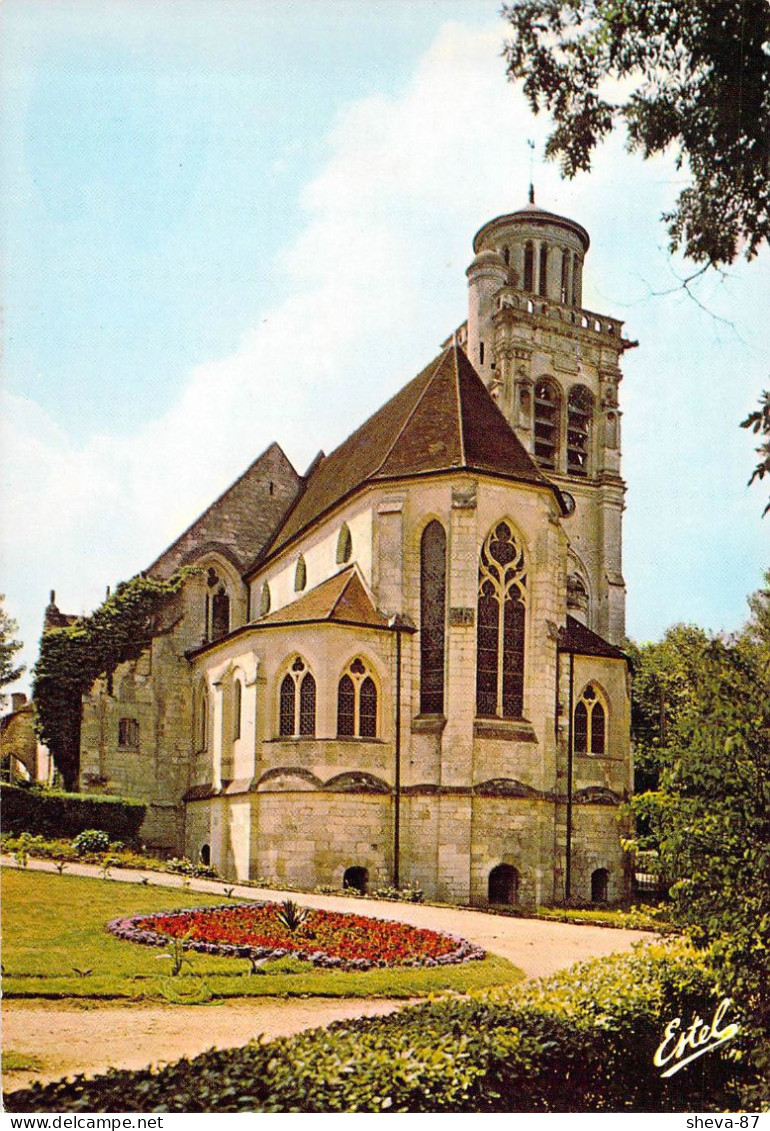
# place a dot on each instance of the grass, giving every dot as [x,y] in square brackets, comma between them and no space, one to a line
[55,945]
[20,1062]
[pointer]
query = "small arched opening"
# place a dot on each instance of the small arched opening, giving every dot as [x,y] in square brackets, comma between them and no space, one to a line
[600,882]
[356,878]
[504,885]
[205,855]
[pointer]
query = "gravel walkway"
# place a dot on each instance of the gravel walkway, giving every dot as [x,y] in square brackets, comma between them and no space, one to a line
[69,1037]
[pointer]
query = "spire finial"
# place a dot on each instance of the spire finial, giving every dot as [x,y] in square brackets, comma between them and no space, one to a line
[531,144]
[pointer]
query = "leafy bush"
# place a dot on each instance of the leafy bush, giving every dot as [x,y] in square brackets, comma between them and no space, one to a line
[53,813]
[580,1041]
[91,840]
[183,866]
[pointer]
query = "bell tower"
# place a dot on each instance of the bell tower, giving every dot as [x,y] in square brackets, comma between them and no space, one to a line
[553,368]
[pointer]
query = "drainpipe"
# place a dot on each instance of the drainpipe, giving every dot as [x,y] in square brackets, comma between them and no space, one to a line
[397,777]
[570,756]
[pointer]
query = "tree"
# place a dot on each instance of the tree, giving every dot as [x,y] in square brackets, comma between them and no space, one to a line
[8,648]
[689,74]
[759,423]
[709,814]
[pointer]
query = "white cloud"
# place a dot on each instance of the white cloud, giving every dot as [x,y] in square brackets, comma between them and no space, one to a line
[375,283]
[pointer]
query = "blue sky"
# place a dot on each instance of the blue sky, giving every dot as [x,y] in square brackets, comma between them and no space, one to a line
[232,221]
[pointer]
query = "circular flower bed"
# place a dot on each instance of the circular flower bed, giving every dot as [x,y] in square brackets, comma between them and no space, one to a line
[325,938]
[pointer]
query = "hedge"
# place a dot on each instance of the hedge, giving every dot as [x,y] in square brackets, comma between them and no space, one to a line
[579,1041]
[53,813]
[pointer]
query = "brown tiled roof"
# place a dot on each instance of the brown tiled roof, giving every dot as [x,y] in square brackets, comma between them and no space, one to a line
[443,420]
[581,640]
[342,598]
[243,520]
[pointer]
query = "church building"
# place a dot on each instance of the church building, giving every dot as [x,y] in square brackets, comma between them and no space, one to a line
[404,666]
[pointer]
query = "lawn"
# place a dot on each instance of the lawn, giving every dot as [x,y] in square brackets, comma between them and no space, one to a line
[55,945]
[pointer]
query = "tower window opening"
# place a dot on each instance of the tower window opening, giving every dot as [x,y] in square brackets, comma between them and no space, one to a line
[529,266]
[507,256]
[547,414]
[543,287]
[564,290]
[578,430]
[481,353]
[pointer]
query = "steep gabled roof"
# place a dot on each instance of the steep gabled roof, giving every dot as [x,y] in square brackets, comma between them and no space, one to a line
[342,598]
[443,420]
[583,642]
[243,520]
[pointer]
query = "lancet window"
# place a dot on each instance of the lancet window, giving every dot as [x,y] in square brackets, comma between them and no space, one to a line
[357,703]
[590,723]
[296,711]
[432,618]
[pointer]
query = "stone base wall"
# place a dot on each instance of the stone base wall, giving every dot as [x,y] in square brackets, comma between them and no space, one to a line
[450,843]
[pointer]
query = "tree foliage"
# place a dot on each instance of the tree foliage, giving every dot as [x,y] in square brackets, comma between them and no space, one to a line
[702,719]
[759,423]
[72,658]
[9,672]
[693,75]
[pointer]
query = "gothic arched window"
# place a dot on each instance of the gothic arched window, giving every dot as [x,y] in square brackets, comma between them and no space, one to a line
[432,618]
[547,423]
[220,614]
[296,708]
[579,413]
[344,545]
[590,723]
[357,703]
[500,629]
[300,575]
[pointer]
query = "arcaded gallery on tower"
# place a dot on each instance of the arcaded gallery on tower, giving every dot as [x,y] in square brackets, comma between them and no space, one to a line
[405,664]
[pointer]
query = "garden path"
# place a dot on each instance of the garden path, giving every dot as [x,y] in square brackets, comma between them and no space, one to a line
[71,1038]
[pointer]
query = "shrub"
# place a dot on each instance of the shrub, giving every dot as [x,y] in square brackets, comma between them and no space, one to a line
[53,813]
[91,840]
[579,1041]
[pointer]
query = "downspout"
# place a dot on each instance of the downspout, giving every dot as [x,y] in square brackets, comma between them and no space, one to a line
[570,755]
[397,777]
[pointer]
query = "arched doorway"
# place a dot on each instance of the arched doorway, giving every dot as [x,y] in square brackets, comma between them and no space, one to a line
[600,882]
[206,854]
[356,878]
[504,885]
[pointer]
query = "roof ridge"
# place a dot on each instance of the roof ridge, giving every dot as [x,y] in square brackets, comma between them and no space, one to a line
[372,474]
[460,416]
[343,590]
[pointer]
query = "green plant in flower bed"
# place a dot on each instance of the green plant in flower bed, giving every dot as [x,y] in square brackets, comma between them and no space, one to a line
[54,926]
[324,938]
[579,1041]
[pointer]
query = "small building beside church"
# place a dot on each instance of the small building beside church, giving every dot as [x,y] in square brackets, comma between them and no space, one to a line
[405,664]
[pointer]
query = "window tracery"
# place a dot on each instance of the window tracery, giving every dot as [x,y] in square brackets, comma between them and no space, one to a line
[297,701]
[357,703]
[500,625]
[590,723]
